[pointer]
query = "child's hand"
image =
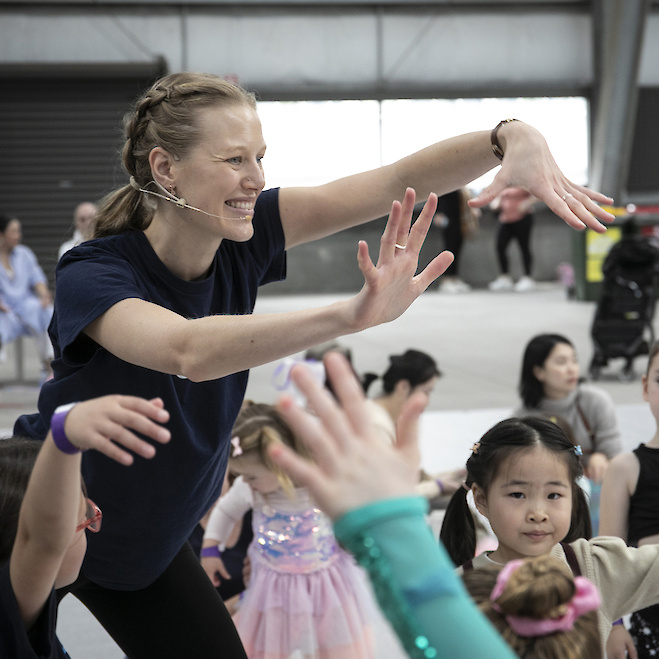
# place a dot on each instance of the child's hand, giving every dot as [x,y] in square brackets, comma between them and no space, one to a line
[247,570]
[105,423]
[215,568]
[353,467]
[620,644]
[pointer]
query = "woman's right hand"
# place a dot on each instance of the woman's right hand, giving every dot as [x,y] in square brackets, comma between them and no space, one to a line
[352,467]
[105,424]
[393,284]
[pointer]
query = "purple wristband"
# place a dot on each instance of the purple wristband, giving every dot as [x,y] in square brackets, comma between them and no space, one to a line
[211,552]
[619,621]
[57,429]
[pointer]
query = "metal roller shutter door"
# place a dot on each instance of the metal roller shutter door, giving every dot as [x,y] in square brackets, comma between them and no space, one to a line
[60,139]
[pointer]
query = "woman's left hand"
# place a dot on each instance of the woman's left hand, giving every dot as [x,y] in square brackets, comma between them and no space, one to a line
[528,164]
[393,284]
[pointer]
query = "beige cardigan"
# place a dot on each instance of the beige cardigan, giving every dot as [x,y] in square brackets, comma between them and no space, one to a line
[627,577]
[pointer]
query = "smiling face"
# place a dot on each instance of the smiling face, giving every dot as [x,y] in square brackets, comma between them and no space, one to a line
[559,375]
[223,173]
[528,505]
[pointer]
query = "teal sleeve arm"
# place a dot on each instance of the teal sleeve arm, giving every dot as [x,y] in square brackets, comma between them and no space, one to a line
[416,584]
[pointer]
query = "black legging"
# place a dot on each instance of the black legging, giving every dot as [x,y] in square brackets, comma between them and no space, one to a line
[453,240]
[179,615]
[520,231]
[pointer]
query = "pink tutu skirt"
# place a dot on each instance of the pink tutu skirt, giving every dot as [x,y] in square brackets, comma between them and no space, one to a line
[326,614]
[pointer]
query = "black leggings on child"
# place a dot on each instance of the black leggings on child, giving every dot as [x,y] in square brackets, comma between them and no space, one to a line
[179,615]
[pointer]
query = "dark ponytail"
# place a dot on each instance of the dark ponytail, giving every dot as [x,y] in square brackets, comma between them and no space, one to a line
[458,533]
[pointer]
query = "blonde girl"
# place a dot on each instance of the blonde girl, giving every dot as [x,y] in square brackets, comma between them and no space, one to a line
[306,598]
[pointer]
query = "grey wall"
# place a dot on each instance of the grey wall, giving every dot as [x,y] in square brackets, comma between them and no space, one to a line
[330,265]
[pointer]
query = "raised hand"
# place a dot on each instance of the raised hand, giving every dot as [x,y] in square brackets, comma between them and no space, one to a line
[392,285]
[352,467]
[528,164]
[106,424]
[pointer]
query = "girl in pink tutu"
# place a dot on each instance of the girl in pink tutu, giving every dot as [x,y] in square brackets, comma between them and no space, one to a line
[306,598]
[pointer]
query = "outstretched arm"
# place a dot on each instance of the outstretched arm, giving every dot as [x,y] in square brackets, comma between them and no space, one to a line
[53,503]
[619,484]
[311,213]
[147,335]
[365,486]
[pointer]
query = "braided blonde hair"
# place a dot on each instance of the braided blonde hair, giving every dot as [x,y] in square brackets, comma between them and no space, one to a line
[166,115]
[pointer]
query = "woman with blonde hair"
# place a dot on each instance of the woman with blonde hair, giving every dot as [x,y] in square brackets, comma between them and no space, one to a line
[162,299]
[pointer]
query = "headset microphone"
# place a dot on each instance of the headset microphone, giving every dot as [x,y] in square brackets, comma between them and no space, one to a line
[179,201]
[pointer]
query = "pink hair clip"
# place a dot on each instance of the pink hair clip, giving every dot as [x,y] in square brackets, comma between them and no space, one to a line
[586,598]
[237,450]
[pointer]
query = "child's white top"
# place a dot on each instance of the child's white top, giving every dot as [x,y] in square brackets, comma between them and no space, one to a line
[229,510]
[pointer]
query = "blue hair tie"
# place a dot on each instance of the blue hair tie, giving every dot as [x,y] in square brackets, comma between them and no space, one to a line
[578,451]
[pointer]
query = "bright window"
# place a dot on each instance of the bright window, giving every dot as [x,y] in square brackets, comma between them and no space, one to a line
[312,142]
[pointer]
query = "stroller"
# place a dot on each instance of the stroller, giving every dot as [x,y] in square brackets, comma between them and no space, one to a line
[622,326]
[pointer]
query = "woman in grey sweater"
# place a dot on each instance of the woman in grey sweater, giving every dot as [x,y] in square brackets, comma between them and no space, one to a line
[550,386]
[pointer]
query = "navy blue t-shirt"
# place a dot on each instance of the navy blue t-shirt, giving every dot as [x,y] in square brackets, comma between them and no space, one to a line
[150,508]
[41,641]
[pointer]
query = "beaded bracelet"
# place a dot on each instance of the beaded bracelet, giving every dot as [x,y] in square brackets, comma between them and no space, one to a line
[57,429]
[494,138]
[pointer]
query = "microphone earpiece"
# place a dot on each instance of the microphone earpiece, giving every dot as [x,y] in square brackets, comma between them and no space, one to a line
[180,201]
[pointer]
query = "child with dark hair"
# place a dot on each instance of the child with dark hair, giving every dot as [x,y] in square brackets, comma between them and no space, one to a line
[407,373]
[523,474]
[44,511]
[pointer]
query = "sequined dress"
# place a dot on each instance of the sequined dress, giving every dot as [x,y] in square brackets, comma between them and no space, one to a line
[307,598]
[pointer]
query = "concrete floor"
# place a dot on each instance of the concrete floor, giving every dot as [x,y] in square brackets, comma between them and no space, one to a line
[477,339]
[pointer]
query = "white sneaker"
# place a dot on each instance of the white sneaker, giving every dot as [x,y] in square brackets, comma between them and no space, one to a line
[502,283]
[448,286]
[453,286]
[461,286]
[524,284]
